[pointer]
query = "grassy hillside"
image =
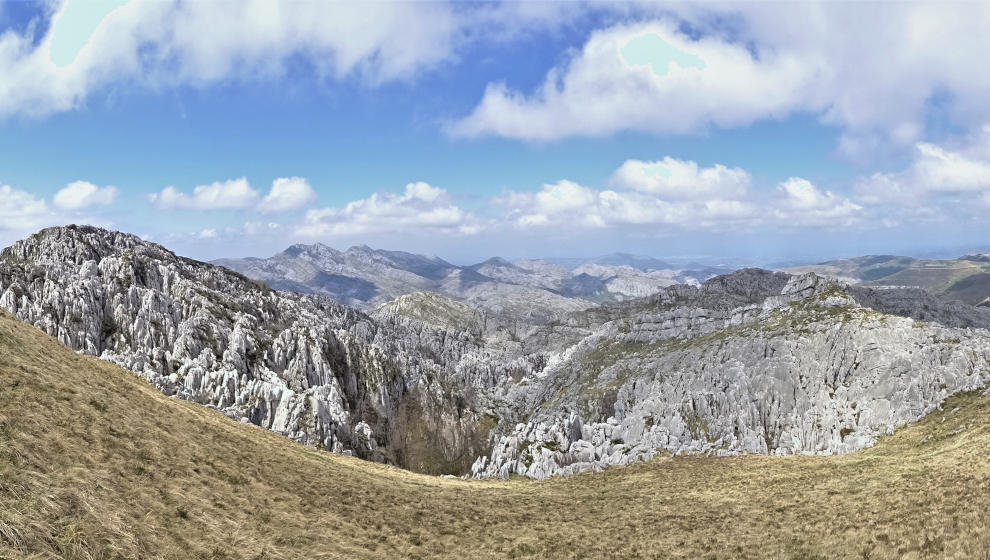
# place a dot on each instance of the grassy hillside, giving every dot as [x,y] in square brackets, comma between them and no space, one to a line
[94,463]
[966,279]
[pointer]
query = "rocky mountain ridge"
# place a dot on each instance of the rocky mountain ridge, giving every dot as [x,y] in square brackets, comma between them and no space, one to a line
[965,279]
[301,365]
[530,290]
[753,362]
[750,362]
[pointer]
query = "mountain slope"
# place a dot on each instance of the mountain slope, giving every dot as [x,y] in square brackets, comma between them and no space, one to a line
[752,362]
[95,463]
[966,279]
[303,366]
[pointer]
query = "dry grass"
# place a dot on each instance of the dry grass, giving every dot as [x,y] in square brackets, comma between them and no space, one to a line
[94,463]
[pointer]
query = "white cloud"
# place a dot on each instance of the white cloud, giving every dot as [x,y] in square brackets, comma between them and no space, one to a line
[83,194]
[677,179]
[21,211]
[165,44]
[728,205]
[254,228]
[934,171]
[937,169]
[232,193]
[568,205]
[287,193]
[837,61]
[210,233]
[606,88]
[805,205]
[421,207]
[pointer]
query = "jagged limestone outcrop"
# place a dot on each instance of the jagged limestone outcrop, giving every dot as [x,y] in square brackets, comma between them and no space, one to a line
[716,370]
[301,365]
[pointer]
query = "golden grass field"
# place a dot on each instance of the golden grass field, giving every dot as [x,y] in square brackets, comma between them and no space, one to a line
[95,463]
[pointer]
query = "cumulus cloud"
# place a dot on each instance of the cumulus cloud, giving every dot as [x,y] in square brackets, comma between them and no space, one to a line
[254,228]
[612,85]
[678,179]
[421,207]
[232,193]
[841,65]
[21,211]
[83,194]
[570,205]
[721,202]
[935,171]
[287,194]
[804,204]
[199,43]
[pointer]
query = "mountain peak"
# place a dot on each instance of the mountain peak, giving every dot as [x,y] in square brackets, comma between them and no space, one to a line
[77,243]
[360,249]
[495,261]
[319,249]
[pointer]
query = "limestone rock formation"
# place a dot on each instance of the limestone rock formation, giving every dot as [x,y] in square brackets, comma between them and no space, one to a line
[752,362]
[748,362]
[301,365]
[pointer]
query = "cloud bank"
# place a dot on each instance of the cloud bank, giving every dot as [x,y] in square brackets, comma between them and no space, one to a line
[748,62]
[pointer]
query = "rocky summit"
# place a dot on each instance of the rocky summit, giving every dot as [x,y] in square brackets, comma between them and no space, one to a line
[749,362]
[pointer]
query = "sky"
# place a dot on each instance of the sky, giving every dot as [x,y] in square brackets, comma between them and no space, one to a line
[726,132]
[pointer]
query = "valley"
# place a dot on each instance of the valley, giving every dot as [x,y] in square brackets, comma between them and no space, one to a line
[97,463]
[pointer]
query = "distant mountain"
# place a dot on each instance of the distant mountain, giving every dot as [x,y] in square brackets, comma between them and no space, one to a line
[966,279]
[638,262]
[528,290]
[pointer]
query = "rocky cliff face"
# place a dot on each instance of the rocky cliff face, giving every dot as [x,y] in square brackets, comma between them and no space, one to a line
[301,365]
[750,362]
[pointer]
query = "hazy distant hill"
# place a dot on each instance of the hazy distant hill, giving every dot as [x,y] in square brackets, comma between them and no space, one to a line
[528,289]
[966,278]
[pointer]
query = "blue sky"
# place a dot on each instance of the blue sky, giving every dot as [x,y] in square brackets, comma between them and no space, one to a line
[805,132]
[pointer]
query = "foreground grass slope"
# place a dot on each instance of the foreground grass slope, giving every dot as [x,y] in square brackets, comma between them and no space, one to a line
[94,463]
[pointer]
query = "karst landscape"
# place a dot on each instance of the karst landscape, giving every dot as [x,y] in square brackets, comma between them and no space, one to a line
[870,403]
[578,280]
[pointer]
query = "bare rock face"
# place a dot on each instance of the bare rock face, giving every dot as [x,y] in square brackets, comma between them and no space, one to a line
[808,370]
[304,366]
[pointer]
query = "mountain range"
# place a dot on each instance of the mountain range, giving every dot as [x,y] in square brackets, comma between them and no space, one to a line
[531,290]
[966,278]
[749,362]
